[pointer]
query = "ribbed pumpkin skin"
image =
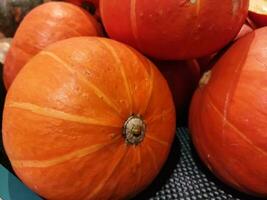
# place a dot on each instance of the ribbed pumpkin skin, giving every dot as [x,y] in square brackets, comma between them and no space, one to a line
[183,78]
[45,25]
[174,29]
[63,119]
[228,116]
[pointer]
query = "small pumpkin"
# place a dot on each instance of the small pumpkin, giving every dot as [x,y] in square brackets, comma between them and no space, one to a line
[12,12]
[44,25]
[88,118]
[174,29]
[228,116]
[182,77]
[207,62]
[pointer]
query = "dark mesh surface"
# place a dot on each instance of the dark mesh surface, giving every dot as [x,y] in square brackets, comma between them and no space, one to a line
[184,177]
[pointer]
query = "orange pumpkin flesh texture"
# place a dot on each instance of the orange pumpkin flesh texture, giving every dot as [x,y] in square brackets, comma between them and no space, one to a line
[174,29]
[44,25]
[64,116]
[228,116]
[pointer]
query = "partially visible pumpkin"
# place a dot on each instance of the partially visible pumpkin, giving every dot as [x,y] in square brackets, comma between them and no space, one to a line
[258,12]
[183,78]
[88,118]
[76,2]
[207,62]
[174,29]
[12,12]
[45,25]
[91,6]
[228,116]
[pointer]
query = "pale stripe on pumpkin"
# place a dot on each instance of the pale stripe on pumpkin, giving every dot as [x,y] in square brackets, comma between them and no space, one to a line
[138,167]
[151,87]
[61,159]
[160,116]
[53,113]
[198,7]
[122,71]
[95,89]
[150,76]
[157,140]
[152,154]
[100,186]
[242,135]
[133,21]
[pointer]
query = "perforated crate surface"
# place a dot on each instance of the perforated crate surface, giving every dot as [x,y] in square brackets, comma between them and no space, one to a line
[183,177]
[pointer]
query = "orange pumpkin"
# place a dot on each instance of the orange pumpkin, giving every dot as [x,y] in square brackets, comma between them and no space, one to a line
[245,29]
[182,77]
[207,62]
[228,115]
[91,5]
[44,25]
[76,2]
[80,2]
[174,29]
[88,118]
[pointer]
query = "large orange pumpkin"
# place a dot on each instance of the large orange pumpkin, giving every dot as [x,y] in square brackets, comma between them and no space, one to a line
[45,25]
[228,115]
[174,29]
[88,118]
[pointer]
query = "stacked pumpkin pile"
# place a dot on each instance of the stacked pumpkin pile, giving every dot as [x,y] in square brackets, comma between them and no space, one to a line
[91,117]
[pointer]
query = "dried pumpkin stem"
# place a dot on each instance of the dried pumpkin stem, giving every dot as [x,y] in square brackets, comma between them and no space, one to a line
[134,130]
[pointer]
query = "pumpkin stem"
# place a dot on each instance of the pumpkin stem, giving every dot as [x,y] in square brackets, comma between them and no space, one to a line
[205,79]
[134,130]
[4,47]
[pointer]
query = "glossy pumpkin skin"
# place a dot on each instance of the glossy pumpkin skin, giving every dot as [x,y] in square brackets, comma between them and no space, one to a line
[72,105]
[45,25]
[174,29]
[228,116]
[183,78]
[207,62]
[12,12]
